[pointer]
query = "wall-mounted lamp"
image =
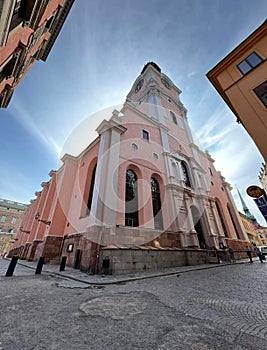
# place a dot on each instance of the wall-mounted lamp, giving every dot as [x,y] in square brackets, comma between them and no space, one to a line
[37,217]
[24,231]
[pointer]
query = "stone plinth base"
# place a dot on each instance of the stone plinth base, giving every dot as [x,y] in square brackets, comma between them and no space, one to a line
[125,260]
[32,251]
[80,252]
[50,248]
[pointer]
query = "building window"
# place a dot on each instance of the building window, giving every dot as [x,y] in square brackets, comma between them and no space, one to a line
[131,199]
[249,63]
[261,92]
[49,23]
[14,220]
[16,18]
[134,146]
[3,218]
[156,204]
[155,156]
[185,174]
[7,70]
[145,135]
[211,173]
[90,197]
[174,119]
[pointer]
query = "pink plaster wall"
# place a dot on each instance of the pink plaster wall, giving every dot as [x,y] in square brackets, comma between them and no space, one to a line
[218,191]
[143,164]
[77,217]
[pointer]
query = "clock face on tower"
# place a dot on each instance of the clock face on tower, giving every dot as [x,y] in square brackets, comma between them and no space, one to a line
[139,85]
[165,83]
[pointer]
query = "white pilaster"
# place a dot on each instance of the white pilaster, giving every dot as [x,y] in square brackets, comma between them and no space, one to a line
[105,196]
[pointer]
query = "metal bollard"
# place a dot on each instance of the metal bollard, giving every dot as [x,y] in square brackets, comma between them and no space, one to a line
[63,263]
[40,265]
[12,266]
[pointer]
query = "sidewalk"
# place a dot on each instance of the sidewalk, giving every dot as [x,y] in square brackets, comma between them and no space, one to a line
[84,277]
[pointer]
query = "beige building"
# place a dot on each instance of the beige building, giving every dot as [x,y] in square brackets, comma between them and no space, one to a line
[262,232]
[241,80]
[263,177]
[251,231]
[11,214]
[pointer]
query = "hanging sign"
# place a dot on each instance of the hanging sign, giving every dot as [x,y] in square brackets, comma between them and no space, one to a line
[255,191]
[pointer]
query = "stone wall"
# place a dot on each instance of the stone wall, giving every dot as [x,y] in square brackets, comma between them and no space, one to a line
[32,251]
[136,260]
[239,247]
[50,248]
[87,255]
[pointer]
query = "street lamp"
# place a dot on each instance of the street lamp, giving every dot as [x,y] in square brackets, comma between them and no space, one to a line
[37,217]
[24,231]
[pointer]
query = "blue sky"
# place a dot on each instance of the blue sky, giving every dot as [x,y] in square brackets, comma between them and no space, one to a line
[100,51]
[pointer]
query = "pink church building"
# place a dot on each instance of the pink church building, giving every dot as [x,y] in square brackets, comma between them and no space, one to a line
[143,193]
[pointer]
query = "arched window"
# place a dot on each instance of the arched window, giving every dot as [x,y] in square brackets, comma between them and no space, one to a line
[174,119]
[156,203]
[131,199]
[221,219]
[90,197]
[185,174]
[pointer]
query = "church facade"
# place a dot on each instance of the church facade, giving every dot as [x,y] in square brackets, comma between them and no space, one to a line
[143,194]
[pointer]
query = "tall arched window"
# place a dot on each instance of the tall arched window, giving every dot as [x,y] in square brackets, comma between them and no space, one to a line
[174,119]
[90,197]
[221,219]
[185,174]
[156,203]
[131,199]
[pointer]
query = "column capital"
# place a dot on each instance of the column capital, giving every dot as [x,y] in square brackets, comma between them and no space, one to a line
[111,124]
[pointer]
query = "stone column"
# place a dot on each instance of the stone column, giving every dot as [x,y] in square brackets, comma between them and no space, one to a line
[105,194]
[220,236]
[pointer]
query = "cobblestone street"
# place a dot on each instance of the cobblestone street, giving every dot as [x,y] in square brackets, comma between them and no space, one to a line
[219,308]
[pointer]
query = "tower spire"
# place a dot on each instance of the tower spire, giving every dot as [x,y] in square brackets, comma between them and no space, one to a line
[245,208]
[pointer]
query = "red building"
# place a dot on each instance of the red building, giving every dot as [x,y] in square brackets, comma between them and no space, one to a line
[28,30]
